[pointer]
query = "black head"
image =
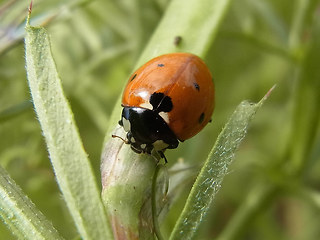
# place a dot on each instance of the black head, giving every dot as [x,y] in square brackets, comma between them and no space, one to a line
[146,130]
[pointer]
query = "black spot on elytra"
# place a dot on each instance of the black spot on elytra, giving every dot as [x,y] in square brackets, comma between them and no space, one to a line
[161,102]
[133,77]
[201,118]
[160,65]
[196,85]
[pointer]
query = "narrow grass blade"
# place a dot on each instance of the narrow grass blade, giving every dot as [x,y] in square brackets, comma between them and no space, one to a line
[215,168]
[20,215]
[69,159]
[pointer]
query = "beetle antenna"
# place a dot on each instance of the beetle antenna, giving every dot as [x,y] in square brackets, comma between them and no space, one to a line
[124,140]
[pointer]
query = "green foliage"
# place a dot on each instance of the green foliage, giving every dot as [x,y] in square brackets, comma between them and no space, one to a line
[271,188]
[69,160]
[216,167]
[20,215]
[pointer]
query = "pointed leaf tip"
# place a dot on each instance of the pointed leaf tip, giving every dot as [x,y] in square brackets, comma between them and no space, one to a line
[268,93]
[29,13]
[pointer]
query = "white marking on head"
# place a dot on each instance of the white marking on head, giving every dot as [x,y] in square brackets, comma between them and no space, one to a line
[132,140]
[143,146]
[126,124]
[160,145]
[164,116]
[146,105]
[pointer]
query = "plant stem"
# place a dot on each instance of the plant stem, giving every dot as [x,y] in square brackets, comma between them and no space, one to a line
[154,203]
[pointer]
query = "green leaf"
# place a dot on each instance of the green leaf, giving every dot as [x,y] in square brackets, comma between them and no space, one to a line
[215,168]
[70,162]
[20,214]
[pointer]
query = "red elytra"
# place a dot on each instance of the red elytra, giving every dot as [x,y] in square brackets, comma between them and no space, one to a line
[183,77]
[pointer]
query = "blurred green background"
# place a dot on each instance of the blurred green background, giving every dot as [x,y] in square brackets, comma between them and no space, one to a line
[272,190]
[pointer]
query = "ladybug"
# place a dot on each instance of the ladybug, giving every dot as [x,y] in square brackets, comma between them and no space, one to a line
[167,100]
